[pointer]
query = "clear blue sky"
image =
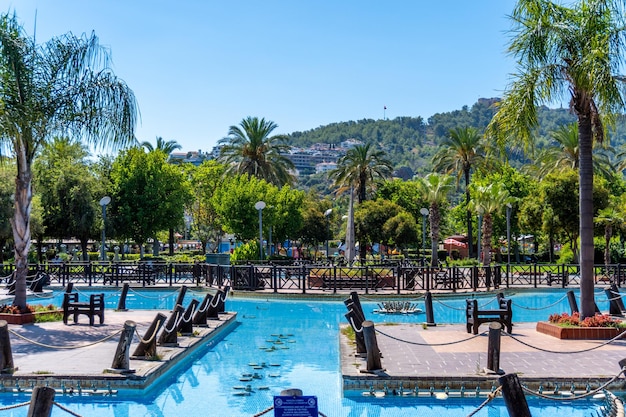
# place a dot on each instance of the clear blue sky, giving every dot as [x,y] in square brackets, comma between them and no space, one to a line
[200,66]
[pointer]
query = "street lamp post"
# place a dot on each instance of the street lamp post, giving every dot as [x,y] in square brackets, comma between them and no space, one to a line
[424,211]
[508,233]
[327,215]
[104,202]
[260,205]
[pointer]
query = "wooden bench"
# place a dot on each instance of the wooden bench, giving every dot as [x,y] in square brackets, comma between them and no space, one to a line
[95,307]
[475,317]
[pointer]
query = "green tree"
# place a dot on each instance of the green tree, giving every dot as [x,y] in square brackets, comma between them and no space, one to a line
[167,147]
[460,152]
[564,155]
[361,168]
[148,195]
[611,218]
[66,184]
[487,201]
[7,188]
[434,189]
[578,50]
[235,200]
[400,230]
[370,218]
[205,180]
[64,86]
[251,149]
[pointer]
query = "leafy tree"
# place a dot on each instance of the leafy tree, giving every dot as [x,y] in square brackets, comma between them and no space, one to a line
[314,226]
[7,174]
[401,230]
[434,189]
[370,218]
[406,194]
[67,185]
[487,201]
[461,152]
[559,192]
[205,180]
[251,149]
[285,214]
[575,49]
[234,202]
[64,86]
[148,196]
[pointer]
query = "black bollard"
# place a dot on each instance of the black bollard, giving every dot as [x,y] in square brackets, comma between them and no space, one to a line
[221,306]
[373,353]
[200,317]
[428,306]
[69,287]
[6,355]
[121,304]
[147,347]
[121,360]
[571,298]
[513,396]
[356,322]
[493,348]
[618,297]
[169,336]
[214,306]
[614,309]
[354,296]
[181,295]
[185,323]
[41,402]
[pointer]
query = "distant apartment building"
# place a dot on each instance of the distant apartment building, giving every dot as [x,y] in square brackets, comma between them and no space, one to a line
[325,167]
[307,160]
[192,157]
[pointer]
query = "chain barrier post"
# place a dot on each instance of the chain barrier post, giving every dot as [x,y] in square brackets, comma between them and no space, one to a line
[513,395]
[371,345]
[121,360]
[428,306]
[41,402]
[6,355]
[493,347]
[121,305]
[148,348]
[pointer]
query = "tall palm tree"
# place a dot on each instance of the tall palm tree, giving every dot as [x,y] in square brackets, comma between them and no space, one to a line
[575,49]
[612,218]
[64,87]
[487,201]
[166,146]
[359,170]
[459,153]
[361,167]
[565,155]
[251,149]
[434,189]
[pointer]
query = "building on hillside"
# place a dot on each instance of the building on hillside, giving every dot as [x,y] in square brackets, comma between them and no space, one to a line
[192,157]
[325,167]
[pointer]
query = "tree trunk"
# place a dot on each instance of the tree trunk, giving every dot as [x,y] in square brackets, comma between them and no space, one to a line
[585,141]
[171,242]
[83,248]
[470,246]
[486,243]
[608,232]
[21,223]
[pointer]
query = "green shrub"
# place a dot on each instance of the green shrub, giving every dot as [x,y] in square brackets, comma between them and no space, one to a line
[247,252]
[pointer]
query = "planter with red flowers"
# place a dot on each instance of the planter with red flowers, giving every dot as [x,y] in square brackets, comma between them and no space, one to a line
[598,327]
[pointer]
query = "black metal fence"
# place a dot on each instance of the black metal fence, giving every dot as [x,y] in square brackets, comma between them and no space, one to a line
[305,278]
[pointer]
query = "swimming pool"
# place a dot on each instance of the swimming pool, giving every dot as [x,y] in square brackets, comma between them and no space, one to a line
[211,385]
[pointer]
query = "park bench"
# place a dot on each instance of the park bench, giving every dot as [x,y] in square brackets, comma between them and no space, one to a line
[475,316]
[72,306]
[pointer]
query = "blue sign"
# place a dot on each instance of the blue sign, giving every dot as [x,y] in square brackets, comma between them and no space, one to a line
[287,406]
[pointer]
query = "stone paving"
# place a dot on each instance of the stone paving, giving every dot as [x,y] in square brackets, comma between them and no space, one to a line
[447,354]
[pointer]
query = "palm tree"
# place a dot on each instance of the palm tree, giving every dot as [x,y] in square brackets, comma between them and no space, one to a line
[611,218]
[250,149]
[434,189]
[62,87]
[361,167]
[487,201]
[461,151]
[576,50]
[565,155]
[167,147]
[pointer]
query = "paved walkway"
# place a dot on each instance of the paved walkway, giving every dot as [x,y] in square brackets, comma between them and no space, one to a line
[84,354]
[447,354]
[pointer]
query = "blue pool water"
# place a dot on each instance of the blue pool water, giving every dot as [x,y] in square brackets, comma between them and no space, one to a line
[308,359]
